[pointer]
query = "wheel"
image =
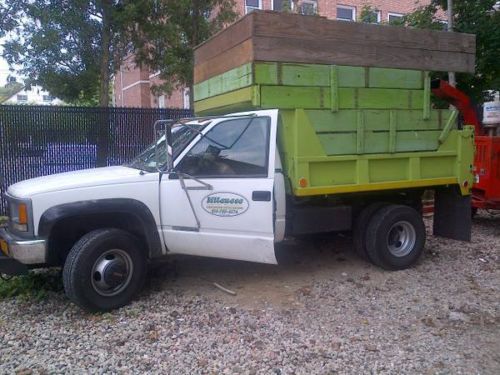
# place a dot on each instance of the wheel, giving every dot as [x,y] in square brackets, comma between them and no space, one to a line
[395,237]
[104,270]
[360,225]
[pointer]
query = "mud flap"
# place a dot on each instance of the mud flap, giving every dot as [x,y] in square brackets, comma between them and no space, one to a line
[452,215]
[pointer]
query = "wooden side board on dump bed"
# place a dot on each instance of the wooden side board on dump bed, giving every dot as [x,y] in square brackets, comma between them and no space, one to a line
[274,36]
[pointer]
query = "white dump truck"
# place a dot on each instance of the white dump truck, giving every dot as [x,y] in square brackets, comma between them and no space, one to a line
[216,188]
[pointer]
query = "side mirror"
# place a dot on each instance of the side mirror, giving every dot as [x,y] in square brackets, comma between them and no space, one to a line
[169,143]
[163,128]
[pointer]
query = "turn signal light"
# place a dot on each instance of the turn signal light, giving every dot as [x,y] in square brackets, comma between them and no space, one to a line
[23,214]
[4,247]
[303,182]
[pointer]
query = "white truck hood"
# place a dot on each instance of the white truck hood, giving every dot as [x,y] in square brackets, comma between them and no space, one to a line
[74,180]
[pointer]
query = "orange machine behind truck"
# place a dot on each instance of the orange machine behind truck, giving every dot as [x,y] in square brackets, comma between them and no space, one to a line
[486,189]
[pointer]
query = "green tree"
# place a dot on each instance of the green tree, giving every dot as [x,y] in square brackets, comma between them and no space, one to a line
[368,14]
[70,48]
[474,17]
[8,16]
[165,33]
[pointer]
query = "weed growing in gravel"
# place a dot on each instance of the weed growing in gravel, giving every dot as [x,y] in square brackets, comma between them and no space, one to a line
[35,285]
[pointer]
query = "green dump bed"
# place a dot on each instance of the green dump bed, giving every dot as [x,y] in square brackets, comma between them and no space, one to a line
[345,128]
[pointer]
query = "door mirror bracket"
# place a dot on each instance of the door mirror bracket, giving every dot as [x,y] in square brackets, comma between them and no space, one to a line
[163,128]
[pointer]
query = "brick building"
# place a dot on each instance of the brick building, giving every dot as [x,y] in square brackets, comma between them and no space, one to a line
[132,84]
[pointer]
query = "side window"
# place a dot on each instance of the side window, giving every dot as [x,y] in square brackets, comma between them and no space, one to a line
[232,148]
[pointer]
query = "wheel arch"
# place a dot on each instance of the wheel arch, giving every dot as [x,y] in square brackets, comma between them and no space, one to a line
[64,224]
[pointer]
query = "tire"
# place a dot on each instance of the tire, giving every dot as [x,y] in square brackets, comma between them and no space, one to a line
[395,237]
[104,270]
[360,225]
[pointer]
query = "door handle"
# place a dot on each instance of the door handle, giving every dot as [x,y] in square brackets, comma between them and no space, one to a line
[261,196]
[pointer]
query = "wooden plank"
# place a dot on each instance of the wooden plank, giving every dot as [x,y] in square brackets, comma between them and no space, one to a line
[452,121]
[395,78]
[226,39]
[427,96]
[351,76]
[334,88]
[227,60]
[292,97]
[266,73]
[392,131]
[333,76]
[356,54]
[232,80]
[242,98]
[302,39]
[273,24]
[284,97]
[378,142]
[305,75]
[200,90]
[360,133]
[324,121]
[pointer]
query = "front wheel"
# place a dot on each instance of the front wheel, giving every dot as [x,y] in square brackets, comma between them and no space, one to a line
[104,270]
[395,237]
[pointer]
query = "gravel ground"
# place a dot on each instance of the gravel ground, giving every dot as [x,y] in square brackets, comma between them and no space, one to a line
[321,311]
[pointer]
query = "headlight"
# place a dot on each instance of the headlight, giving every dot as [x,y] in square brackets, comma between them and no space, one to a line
[19,215]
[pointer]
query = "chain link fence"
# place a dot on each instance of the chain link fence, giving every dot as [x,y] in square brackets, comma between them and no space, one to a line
[42,140]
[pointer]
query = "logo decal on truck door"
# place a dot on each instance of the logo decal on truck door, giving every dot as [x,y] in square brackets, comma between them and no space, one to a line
[225,204]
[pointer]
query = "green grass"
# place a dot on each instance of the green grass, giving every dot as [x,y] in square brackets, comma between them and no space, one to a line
[3,220]
[35,285]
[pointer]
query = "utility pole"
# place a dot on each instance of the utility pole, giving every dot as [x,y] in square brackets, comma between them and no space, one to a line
[451,75]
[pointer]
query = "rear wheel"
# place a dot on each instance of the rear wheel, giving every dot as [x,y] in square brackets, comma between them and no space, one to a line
[395,237]
[360,225]
[104,270]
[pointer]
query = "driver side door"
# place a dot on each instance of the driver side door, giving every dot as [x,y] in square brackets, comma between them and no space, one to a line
[220,201]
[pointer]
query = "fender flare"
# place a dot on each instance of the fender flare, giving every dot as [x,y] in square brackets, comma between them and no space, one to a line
[115,206]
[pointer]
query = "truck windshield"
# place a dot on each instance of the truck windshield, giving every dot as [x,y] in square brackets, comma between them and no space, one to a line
[182,135]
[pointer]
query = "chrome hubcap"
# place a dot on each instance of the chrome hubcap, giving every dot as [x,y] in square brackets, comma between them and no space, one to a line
[112,272]
[401,239]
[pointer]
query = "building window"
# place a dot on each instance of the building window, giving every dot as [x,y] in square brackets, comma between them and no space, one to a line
[346,13]
[22,98]
[309,7]
[251,5]
[281,5]
[394,18]
[48,98]
[161,101]
[186,98]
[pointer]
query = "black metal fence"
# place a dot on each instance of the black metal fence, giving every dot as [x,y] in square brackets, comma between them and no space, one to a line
[42,140]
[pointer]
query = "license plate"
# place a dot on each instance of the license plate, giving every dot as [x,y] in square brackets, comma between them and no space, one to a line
[4,247]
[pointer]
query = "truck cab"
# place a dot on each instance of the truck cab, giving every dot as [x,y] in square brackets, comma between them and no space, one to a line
[209,191]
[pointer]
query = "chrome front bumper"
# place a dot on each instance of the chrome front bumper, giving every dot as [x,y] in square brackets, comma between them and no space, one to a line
[25,251]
